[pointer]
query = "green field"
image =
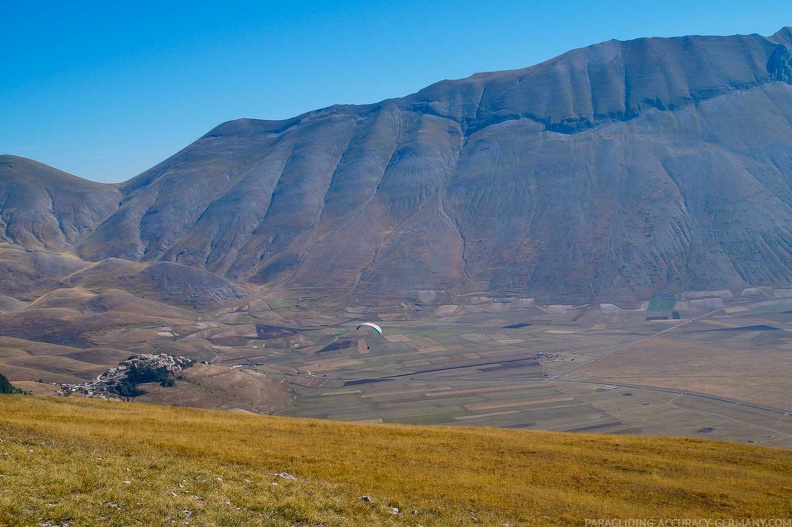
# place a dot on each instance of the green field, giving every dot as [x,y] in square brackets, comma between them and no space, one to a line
[662,302]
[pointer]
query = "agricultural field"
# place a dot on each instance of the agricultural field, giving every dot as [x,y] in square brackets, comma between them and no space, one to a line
[698,368]
[709,373]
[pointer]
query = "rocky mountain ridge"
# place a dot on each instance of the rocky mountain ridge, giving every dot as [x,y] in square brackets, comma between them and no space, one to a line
[608,173]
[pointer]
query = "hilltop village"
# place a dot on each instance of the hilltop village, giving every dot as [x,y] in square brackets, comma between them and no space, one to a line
[122,381]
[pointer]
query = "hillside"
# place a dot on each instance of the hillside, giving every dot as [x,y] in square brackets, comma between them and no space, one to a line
[47,209]
[605,174]
[97,463]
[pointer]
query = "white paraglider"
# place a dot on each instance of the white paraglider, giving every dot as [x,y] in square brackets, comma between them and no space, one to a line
[372,326]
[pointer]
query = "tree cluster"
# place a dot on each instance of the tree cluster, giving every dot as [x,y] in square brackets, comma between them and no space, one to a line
[7,387]
[140,374]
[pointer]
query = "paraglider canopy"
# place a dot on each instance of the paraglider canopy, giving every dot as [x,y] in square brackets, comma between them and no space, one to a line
[372,326]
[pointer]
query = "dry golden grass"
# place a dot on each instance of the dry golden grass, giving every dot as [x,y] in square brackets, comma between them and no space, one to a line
[110,463]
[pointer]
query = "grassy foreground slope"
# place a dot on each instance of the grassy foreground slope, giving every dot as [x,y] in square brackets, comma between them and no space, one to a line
[87,462]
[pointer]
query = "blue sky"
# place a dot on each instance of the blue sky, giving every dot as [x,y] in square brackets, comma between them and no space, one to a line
[105,90]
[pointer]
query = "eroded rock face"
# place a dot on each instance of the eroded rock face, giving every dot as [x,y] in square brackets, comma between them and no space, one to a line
[606,173]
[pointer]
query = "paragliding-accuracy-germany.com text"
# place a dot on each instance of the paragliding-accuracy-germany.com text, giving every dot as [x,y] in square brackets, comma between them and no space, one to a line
[688,522]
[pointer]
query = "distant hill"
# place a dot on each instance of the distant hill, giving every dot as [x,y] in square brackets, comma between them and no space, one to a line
[46,209]
[607,173]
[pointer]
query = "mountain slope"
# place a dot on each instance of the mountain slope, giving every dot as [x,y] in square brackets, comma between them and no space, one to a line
[46,209]
[609,172]
[99,462]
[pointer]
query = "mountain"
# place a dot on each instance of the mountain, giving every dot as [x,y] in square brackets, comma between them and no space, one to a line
[46,209]
[607,173]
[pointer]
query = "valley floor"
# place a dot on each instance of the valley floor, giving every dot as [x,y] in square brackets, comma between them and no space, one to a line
[717,369]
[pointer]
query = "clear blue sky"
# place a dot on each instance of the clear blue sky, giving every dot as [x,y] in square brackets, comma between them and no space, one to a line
[106,89]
